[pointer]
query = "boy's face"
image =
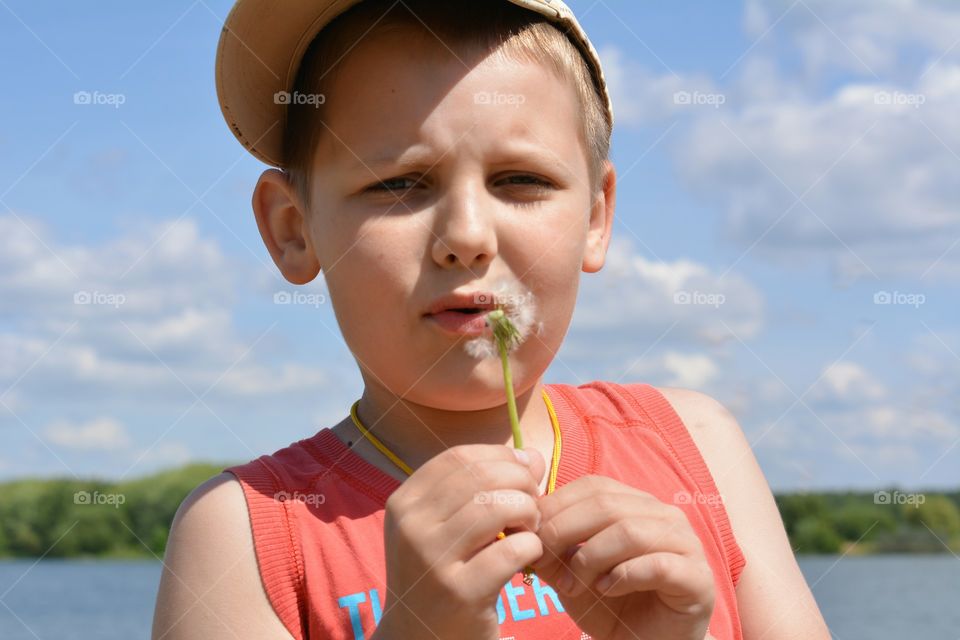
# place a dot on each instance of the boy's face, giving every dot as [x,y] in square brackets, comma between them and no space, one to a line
[461,144]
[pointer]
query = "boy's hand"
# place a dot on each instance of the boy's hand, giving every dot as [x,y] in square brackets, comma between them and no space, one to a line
[445,566]
[662,585]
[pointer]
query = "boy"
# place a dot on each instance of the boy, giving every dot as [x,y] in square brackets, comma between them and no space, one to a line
[441,159]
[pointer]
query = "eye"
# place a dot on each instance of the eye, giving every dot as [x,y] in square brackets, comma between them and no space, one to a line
[529,180]
[388,185]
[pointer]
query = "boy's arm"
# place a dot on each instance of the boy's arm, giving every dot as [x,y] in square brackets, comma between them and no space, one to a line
[211,587]
[773,598]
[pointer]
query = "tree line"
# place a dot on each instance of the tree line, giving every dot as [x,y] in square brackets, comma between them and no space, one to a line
[75,518]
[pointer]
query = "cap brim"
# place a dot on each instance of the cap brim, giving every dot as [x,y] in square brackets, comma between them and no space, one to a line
[260,48]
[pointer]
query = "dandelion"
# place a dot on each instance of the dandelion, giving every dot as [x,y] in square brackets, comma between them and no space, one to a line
[519,307]
[507,337]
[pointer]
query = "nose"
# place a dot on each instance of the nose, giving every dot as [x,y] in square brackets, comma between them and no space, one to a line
[464,228]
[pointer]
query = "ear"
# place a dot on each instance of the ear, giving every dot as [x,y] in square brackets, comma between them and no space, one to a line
[284,227]
[601,220]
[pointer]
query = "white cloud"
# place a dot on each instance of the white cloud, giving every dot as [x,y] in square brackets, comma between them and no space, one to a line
[150,269]
[865,37]
[640,299]
[848,382]
[641,97]
[254,380]
[670,369]
[889,422]
[861,173]
[102,433]
[164,314]
[692,371]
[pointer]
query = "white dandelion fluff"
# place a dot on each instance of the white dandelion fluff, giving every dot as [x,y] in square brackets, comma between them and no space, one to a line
[519,306]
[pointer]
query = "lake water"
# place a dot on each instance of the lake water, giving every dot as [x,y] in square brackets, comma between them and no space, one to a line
[875,598]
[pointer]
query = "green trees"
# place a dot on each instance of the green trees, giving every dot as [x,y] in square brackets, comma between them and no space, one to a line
[882,521]
[938,513]
[68,518]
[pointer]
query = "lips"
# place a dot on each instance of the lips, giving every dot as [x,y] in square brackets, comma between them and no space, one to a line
[460,323]
[462,314]
[474,302]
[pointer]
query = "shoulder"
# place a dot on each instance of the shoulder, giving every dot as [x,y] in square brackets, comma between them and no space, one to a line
[698,410]
[771,576]
[210,586]
[730,460]
[714,430]
[728,456]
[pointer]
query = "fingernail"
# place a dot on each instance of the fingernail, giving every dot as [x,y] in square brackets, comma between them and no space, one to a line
[565,582]
[522,456]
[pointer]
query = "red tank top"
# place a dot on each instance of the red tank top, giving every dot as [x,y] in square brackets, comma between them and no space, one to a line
[316,512]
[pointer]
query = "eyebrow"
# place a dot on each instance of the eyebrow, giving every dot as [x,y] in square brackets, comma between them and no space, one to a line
[405,158]
[413,158]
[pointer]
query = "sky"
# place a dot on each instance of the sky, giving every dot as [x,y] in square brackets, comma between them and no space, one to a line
[786,240]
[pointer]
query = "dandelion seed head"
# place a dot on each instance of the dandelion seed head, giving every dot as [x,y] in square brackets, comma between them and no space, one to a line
[519,306]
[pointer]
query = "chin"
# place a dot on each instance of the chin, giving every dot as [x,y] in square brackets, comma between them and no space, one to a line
[480,389]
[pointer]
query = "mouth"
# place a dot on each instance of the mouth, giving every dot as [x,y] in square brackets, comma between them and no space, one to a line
[475,303]
[463,314]
[462,321]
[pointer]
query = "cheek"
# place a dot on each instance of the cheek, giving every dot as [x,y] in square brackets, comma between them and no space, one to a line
[552,253]
[553,267]
[370,283]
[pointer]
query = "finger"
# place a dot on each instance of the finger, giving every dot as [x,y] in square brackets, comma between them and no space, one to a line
[472,484]
[428,477]
[582,520]
[626,539]
[493,566]
[584,488]
[478,522]
[682,583]
[550,572]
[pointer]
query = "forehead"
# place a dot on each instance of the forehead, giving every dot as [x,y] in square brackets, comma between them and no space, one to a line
[394,92]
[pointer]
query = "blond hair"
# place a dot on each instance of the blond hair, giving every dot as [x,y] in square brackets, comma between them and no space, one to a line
[501,29]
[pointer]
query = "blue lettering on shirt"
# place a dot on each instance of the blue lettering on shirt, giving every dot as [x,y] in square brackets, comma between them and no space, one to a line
[375,603]
[542,591]
[512,593]
[521,604]
[352,602]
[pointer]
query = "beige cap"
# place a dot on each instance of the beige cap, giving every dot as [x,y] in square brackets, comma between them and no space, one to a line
[261,45]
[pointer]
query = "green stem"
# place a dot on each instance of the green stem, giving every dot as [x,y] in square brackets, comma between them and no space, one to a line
[511,400]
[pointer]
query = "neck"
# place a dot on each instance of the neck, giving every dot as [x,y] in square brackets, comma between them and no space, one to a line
[416,433]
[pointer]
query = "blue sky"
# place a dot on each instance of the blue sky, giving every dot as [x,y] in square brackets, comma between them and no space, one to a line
[812,173]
